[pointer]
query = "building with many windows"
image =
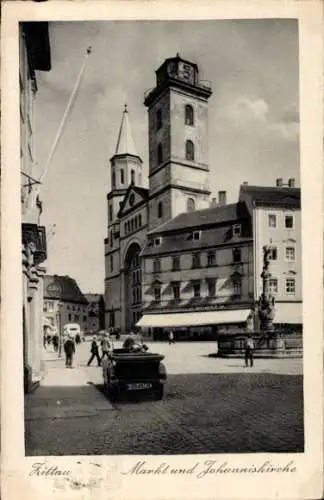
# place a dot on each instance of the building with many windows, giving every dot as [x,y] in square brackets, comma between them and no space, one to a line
[64,303]
[276,216]
[34,55]
[176,258]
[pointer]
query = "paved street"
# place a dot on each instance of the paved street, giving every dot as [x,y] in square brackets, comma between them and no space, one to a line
[211,405]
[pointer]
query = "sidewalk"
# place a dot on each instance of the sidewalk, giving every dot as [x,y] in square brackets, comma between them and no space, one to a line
[64,393]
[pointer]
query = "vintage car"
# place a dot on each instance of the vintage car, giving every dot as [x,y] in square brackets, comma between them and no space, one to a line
[133,372]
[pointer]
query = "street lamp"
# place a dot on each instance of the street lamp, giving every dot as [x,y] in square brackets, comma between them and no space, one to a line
[54,289]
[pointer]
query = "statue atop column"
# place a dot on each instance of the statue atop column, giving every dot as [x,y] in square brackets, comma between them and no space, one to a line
[266,303]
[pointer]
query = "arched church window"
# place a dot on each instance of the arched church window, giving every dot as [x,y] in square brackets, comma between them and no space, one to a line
[160,209]
[190,150]
[132,176]
[122,180]
[113,180]
[190,205]
[189,115]
[159,154]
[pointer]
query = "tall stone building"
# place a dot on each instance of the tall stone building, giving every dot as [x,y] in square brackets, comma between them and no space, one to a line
[176,258]
[34,52]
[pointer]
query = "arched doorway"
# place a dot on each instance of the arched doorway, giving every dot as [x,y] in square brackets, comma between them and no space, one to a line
[133,286]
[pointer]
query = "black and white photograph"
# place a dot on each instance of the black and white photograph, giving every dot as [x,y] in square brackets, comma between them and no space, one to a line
[161,242]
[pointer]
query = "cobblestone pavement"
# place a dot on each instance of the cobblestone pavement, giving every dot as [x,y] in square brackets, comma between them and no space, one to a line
[238,411]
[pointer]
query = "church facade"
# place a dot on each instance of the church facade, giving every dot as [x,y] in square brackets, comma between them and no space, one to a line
[175,257]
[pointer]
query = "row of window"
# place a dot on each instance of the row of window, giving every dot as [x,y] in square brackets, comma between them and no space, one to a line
[196,235]
[189,152]
[290,253]
[133,224]
[76,317]
[196,286]
[290,286]
[196,260]
[49,307]
[122,177]
[288,221]
[189,117]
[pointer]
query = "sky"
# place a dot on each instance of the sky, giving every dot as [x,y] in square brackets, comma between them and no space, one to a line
[252,66]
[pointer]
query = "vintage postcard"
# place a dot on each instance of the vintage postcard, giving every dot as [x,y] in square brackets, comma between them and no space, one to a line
[162,250]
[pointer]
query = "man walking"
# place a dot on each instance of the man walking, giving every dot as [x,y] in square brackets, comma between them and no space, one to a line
[249,350]
[171,337]
[105,346]
[94,351]
[69,349]
[55,341]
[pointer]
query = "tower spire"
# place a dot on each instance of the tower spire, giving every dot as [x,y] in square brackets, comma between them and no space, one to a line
[125,142]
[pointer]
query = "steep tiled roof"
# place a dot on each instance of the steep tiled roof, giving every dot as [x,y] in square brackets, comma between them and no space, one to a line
[200,218]
[63,288]
[272,195]
[93,297]
[215,225]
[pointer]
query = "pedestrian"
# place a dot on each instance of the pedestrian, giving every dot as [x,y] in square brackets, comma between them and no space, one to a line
[105,346]
[55,341]
[249,350]
[94,351]
[171,337]
[77,339]
[69,349]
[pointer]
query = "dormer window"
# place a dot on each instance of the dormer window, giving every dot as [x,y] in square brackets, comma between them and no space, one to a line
[196,235]
[237,229]
[157,241]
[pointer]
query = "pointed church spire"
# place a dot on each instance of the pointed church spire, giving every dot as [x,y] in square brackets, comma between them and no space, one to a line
[125,142]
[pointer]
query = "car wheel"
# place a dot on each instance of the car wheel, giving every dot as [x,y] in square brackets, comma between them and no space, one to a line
[159,393]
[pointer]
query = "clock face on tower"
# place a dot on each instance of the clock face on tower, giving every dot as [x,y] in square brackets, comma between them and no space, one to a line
[186,72]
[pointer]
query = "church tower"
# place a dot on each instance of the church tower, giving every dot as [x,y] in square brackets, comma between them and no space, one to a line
[178,141]
[125,168]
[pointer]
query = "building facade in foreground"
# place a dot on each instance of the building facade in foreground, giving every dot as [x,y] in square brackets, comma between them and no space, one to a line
[34,52]
[176,258]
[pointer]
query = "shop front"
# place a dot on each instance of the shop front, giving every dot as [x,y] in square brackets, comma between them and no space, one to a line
[197,326]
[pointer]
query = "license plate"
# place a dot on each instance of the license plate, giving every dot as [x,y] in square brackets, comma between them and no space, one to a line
[134,387]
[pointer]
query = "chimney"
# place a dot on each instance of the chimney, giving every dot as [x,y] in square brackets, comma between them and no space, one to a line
[221,198]
[279,182]
[291,183]
[213,203]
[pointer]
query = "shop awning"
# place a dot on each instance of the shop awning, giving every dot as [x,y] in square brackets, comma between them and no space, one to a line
[289,313]
[193,318]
